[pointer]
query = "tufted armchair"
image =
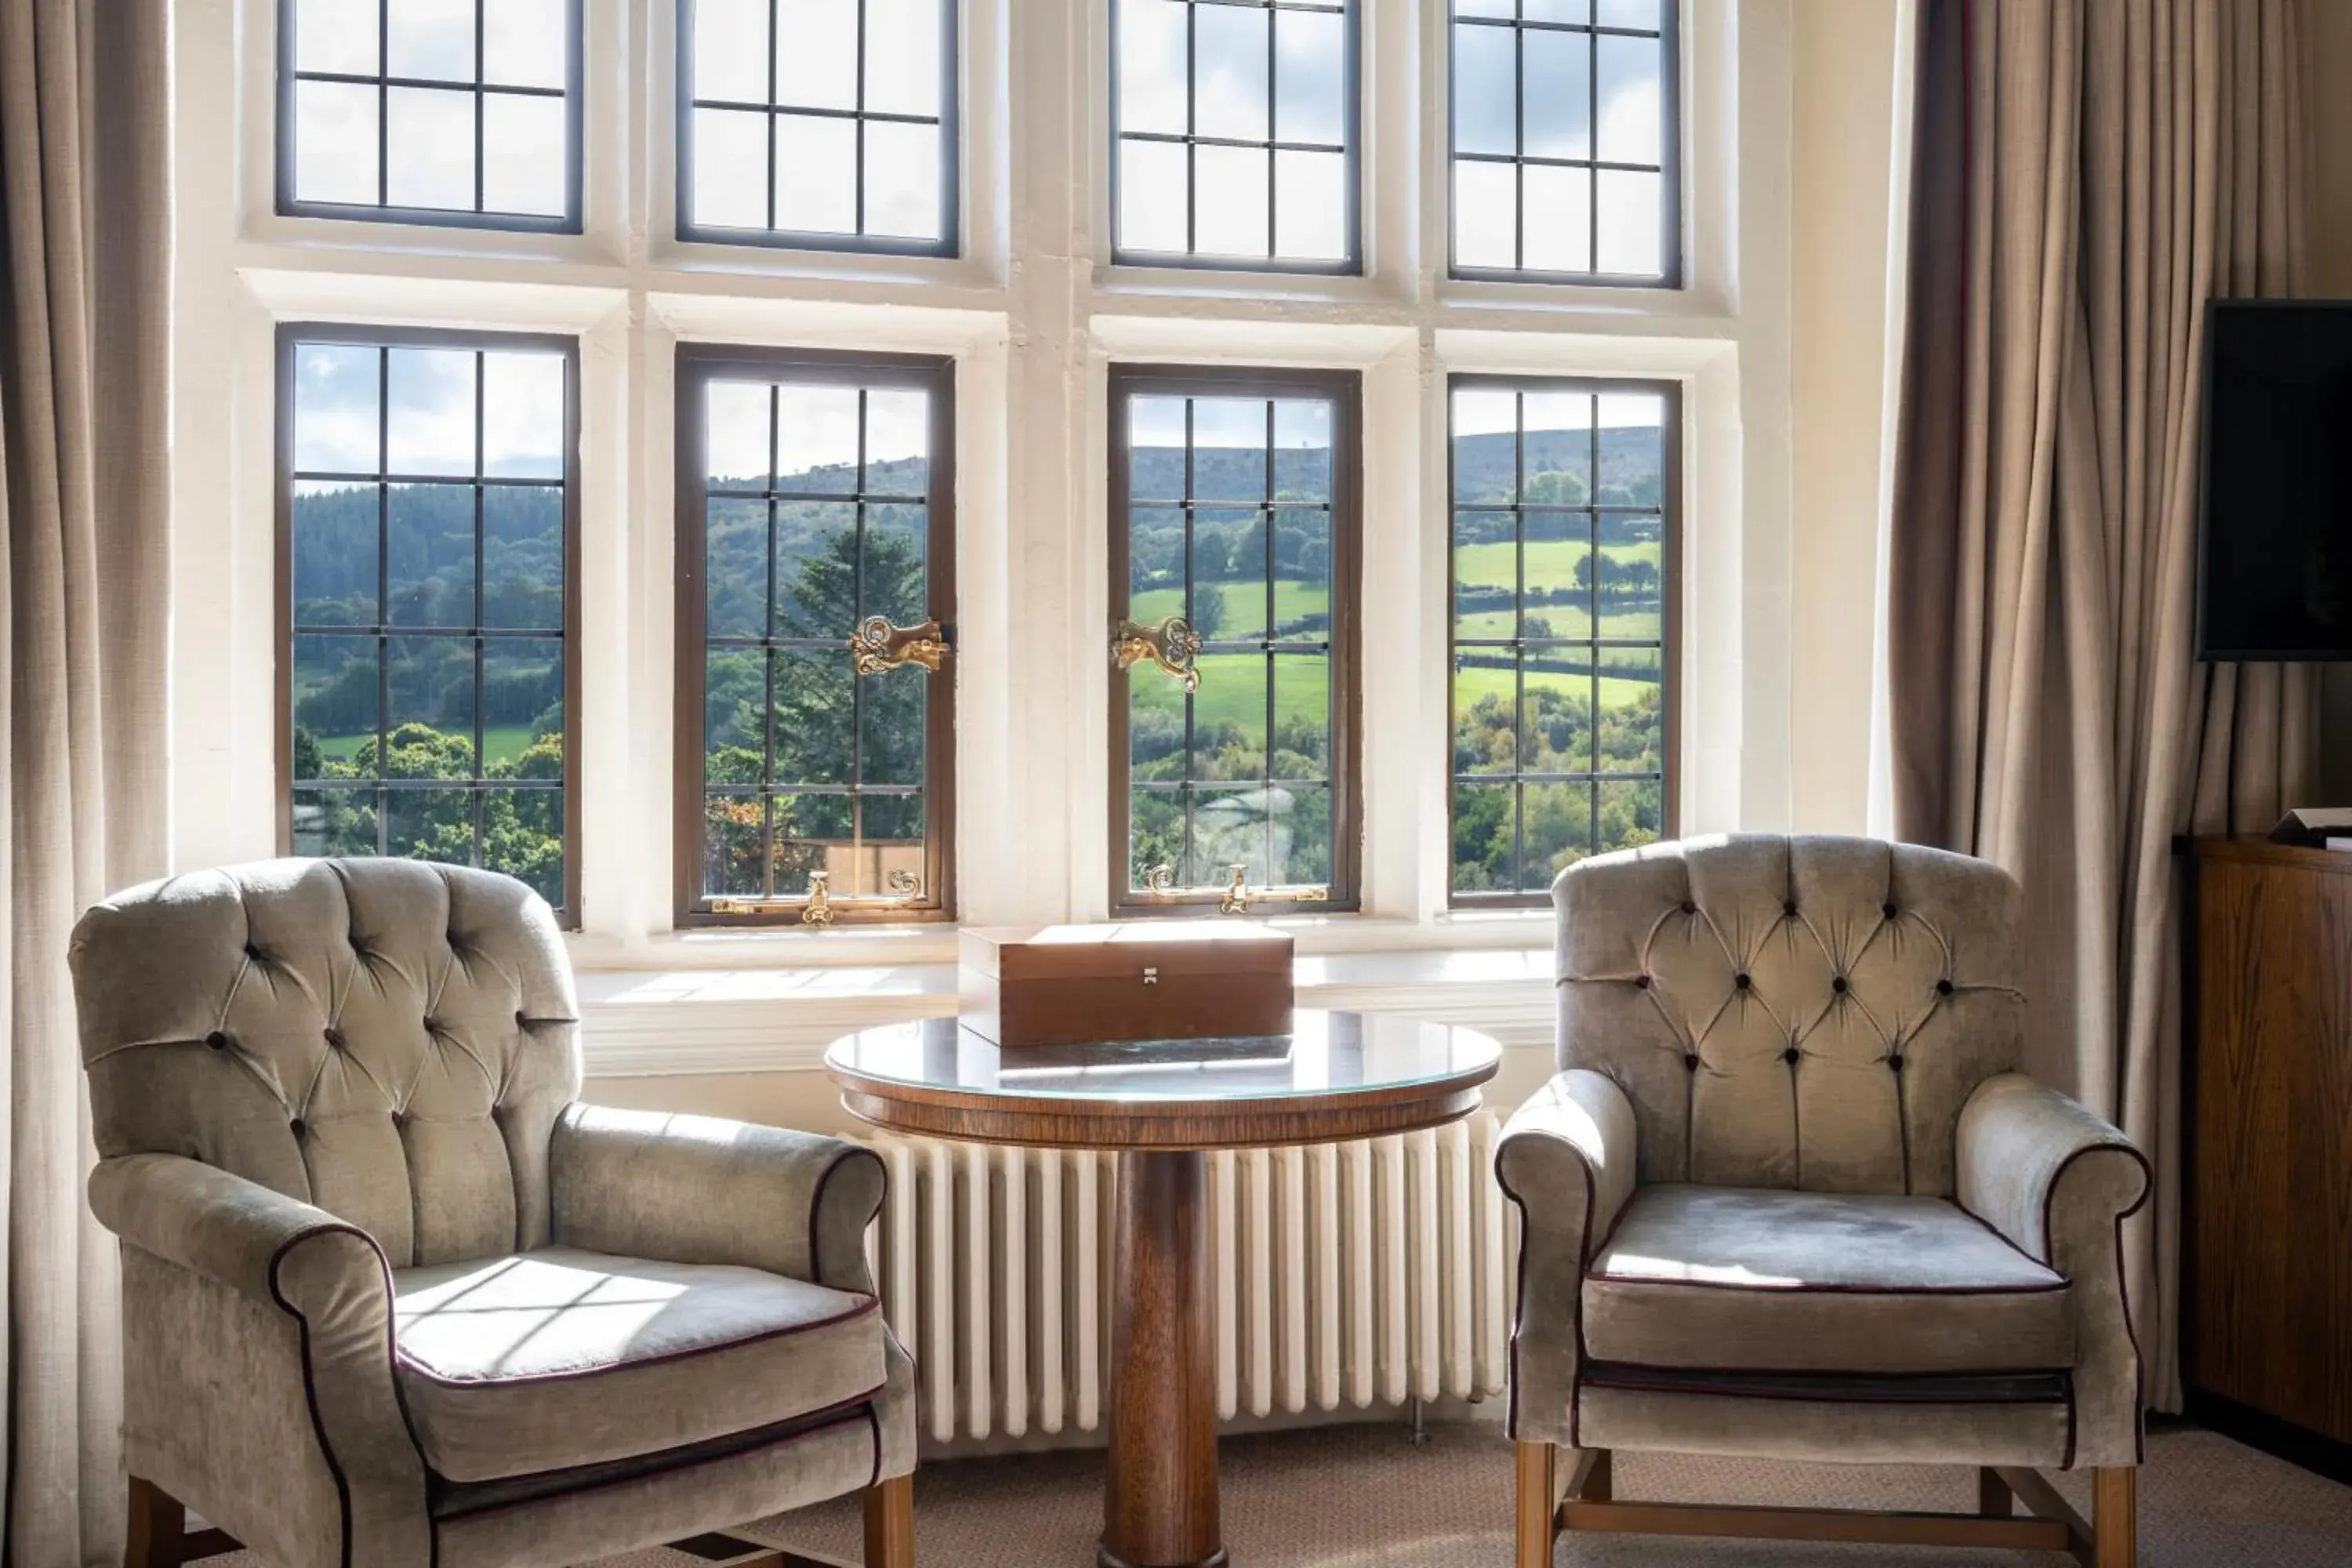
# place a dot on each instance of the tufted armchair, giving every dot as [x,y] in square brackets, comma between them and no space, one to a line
[392,1296]
[1789,1196]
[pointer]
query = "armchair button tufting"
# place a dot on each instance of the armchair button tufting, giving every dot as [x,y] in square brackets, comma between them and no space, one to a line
[1641,982]
[1689,907]
[522,1019]
[1740,980]
[335,1038]
[217,1040]
[1691,1061]
[1942,988]
[1790,1055]
[298,1126]
[1790,908]
[254,953]
[1896,1061]
[1838,984]
[1889,910]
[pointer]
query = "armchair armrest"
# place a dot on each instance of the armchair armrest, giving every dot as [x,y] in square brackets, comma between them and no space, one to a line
[219,1263]
[232,1231]
[2059,1183]
[1566,1158]
[698,1189]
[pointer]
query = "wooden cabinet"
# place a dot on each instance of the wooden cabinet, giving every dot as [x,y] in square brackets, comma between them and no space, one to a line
[2267,1208]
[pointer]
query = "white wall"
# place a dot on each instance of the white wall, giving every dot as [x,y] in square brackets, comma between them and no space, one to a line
[1841,163]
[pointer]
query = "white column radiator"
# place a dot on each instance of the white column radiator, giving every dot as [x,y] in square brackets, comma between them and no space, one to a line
[1347,1274]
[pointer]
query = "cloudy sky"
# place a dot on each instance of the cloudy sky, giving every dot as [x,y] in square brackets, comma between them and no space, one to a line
[337,388]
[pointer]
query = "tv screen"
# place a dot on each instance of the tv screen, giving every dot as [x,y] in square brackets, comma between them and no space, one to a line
[2274,524]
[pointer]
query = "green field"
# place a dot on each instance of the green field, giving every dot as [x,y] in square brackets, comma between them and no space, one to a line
[1564,621]
[1292,601]
[1233,690]
[1551,562]
[501,742]
[1473,682]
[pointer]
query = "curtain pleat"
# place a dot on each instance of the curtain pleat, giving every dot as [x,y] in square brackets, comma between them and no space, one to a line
[84,297]
[2110,166]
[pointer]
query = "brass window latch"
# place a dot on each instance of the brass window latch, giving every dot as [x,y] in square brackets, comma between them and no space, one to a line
[1172,645]
[878,645]
[817,909]
[816,912]
[1159,881]
[1238,893]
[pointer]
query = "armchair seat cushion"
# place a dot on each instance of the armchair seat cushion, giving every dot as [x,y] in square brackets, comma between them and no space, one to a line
[1745,1280]
[562,1357]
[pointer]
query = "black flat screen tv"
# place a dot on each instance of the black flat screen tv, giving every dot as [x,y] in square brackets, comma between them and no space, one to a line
[2275,483]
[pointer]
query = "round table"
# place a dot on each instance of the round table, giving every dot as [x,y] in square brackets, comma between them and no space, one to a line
[1162,1104]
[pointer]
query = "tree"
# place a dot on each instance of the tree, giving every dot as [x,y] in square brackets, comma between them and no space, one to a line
[1555,487]
[1482,839]
[1208,610]
[832,726]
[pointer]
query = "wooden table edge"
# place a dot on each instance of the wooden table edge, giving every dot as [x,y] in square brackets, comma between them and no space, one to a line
[1334,1115]
[1196,1131]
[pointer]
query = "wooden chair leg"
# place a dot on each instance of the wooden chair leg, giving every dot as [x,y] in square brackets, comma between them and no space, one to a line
[890,1523]
[1539,1498]
[2115,1517]
[1994,1500]
[1599,1481]
[156,1529]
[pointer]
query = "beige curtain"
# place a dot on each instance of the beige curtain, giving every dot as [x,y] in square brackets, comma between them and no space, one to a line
[84,275]
[2087,175]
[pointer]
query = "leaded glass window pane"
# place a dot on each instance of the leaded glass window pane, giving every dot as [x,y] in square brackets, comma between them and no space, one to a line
[1564,142]
[819,125]
[1234,516]
[440,112]
[1562,550]
[428,504]
[820,508]
[1236,134]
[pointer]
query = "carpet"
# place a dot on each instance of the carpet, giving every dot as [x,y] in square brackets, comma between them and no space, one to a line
[1340,1497]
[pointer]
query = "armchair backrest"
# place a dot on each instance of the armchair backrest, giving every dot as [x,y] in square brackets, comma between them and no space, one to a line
[388,1039]
[1804,1013]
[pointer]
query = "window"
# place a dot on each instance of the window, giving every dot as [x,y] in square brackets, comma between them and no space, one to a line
[440,112]
[1565,143]
[816,595]
[428,526]
[1235,123]
[1232,521]
[1564,622]
[821,124]
[979,313]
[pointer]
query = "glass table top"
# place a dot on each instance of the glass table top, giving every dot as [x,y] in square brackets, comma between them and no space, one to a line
[1324,1054]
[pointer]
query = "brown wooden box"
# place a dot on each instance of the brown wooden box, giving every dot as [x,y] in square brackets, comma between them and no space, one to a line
[1163,981]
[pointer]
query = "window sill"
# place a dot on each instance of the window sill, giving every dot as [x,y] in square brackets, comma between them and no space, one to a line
[862,947]
[655,1019]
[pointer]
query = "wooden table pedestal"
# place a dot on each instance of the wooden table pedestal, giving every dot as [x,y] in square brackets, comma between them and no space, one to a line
[1159,1507]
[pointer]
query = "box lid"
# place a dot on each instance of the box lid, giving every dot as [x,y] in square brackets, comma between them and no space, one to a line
[1172,947]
